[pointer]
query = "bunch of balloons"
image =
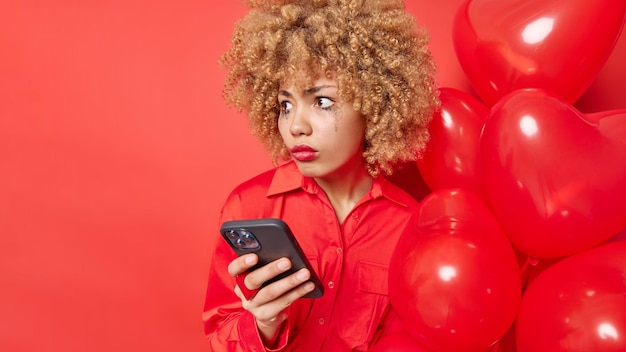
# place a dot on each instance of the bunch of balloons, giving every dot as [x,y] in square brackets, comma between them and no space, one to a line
[521,245]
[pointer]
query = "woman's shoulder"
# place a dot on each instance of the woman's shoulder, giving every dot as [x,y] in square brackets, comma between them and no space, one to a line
[253,197]
[398,194]
[247,199]
[260,184]
[256,184]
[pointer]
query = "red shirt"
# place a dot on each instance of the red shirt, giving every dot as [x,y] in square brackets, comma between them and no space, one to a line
[351,259]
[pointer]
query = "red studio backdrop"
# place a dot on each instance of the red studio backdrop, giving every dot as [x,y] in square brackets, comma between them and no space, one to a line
[116,153]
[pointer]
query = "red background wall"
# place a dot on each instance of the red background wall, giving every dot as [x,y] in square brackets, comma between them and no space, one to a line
[116,152]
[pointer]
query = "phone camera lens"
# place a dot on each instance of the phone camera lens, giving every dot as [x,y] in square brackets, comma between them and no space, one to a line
[242,239]
[232,235]
[247,237]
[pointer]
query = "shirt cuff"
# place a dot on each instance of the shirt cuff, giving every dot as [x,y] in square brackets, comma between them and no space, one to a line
[249,334]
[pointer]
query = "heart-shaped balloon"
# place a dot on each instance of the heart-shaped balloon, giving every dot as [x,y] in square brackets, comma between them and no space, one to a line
[451,156]
[577,304]
[550,44]
[555,178]
[454,279]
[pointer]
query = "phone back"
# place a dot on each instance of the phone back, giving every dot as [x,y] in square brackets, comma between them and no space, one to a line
[270,239]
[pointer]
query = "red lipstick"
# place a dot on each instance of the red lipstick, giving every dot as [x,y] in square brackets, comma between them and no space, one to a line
[303,152]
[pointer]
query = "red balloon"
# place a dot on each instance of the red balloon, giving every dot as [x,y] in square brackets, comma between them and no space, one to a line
[454,279]
[506,343]
[397,343]
[451,156]
[577,304]
[556,45]
[554,177]
[620,236]
[607,90]
[535,266]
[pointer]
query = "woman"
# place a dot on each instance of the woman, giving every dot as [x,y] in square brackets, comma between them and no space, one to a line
[340,92]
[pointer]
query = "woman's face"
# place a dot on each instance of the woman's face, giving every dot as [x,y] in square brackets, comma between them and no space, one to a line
[324,134]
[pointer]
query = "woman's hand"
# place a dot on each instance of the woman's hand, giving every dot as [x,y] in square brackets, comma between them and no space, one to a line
[269,303]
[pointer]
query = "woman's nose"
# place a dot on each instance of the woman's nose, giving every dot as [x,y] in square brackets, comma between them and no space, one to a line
[300,123]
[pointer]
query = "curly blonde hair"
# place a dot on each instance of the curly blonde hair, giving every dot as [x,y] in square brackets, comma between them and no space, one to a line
[372,48]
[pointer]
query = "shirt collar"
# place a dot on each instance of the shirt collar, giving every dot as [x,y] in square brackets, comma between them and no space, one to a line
[288,178]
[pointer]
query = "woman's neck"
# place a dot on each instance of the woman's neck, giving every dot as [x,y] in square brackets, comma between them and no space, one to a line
[345,190]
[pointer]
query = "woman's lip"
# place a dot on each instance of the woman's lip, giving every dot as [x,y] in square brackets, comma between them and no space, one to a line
[303,152]
[302,148]
[304,155]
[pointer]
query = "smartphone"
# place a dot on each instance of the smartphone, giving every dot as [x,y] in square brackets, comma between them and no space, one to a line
[270,239]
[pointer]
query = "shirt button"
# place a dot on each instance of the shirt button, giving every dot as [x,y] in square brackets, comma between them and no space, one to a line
[356,216]
[339,250]
[331,284]
[321,321]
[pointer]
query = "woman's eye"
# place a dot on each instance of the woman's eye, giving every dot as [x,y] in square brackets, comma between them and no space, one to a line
[325,103]
[285,107]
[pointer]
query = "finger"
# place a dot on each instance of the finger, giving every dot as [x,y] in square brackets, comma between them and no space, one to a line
[259,276]
[284,287]
[249,288]
[238,293]
[241,264]
[267,311]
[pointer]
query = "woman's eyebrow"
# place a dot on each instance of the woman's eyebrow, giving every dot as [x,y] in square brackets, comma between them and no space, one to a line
[314,90]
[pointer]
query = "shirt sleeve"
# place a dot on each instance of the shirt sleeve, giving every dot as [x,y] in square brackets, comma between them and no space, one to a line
[227,325]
